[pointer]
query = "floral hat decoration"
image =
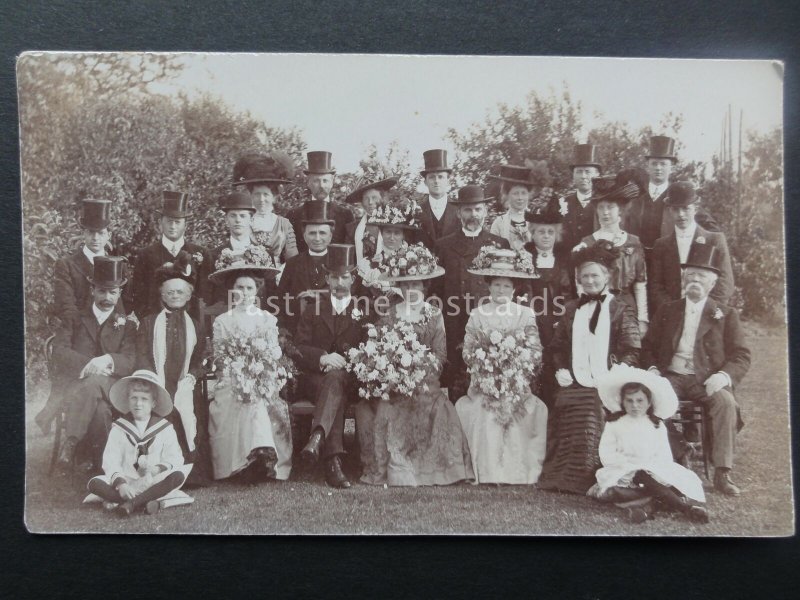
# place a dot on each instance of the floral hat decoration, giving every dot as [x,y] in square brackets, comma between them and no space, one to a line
[404,213]
[609,388]
[410,262]
[254,259]
[493,261]
[184,266]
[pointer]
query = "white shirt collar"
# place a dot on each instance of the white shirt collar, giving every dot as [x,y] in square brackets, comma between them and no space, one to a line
[695,307]
[340,304]
[312,253]
[100,315]
[238,246]
[90,255]
[583,198]
[172,247]
[437,201]
[471,234]
[688,233]
[657,190]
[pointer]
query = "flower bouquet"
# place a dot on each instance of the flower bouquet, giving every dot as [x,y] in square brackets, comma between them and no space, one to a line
[502,365]
[253,255]
[391,361]
[408,259]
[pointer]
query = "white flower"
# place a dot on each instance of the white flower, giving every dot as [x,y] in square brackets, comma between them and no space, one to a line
[405,360]
[119,322]
[563,208]
[356,314]
[718,314]
[700,240]
[496,337]
[260,344]
[372,333]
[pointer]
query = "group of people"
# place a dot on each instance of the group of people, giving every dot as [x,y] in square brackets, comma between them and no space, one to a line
[562,337]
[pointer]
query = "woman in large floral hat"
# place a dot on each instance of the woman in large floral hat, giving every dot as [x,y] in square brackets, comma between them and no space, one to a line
[417,439]
[249,427]
[504,422]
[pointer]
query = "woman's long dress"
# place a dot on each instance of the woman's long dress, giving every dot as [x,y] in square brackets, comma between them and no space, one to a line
[237,428]
[515,455]
[416,441]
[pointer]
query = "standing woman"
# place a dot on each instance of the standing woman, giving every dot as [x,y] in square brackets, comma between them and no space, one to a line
[596,331]
[515,193]
[250,433]
[628,274]
[365,236]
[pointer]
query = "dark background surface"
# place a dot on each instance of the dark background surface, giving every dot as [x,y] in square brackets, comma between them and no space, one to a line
[77,566]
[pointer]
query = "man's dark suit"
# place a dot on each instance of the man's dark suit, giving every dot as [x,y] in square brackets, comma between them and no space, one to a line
[719,346]
[664,270]
[342,215]
[72,292]
[302,272]
[434,229]
[321,332]
[578,223]
[146,297]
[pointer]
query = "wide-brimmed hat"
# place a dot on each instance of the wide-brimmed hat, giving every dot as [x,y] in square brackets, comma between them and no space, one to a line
[220,276]
[319,163]
[108,272]
[601,252]
[182,267]
[703,256]
[96,214]
[435,161]
[501,262]
[237,200]
[609,387]
[585,155]
[341,258]
[254,260]
[471,194]
[174,204]
[382,185]
[403,213]
[409,263]
[276,168]
[118,394]
[609,189]
[515,175]
[318,212]
[662,146]
[681,194]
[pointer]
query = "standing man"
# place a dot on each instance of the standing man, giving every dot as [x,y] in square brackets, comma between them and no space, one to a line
[320,175]
[461,291]
[173,217]
[439,217]
[576,215]
[669,252]
[239,210]
[698,344]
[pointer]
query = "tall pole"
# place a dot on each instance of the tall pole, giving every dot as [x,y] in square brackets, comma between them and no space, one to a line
[739,182]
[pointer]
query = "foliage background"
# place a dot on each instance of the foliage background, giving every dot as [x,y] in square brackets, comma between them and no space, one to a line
[91,127]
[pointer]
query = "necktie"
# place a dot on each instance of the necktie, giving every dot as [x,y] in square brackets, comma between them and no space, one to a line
[598,298]
[174,250]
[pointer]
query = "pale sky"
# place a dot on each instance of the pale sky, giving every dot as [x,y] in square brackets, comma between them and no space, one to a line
[344,103]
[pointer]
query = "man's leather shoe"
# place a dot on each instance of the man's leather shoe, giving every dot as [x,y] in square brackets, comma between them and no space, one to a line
[66,455]
[310,453]
[334,476]
[723,483]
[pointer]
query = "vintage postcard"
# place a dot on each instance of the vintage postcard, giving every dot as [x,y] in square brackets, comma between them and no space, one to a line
[368,294]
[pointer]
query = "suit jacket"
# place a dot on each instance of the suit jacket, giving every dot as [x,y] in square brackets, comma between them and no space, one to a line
[82,339]
[624,341]
[719,343]
[576,224]
[449,223]
[299,274]
[144,347]
[342,215]
[317,334]
[664,273]
[146,297]
[456,253]
[72,292]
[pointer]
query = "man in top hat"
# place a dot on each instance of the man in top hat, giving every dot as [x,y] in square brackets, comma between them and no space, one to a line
[576,214]
[439,217]
[173,217]
[71,286]
[326,332]
[320,175]
[90,353]
[460,291]
[670,251]
[698,344]
[365,237]
[239,210]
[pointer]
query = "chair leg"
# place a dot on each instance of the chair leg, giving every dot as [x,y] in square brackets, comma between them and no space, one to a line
[705,435]
[56,441]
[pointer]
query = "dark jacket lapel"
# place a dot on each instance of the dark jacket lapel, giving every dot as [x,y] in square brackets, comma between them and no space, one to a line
[90,323]
[677,317]
[706,319]
[326,313]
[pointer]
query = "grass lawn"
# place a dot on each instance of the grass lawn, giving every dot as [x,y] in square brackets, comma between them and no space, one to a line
[305,504]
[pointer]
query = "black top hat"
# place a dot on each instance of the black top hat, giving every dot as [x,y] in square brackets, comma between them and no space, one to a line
[601,252]
[542,216]
[341,258]
[108,272]
[318,212]
[435,161]
[96,214]
[383,185]
[662,146]
[585,156]
[514,174]
[276,168]
[237,201]
[174,204]
[703,256]
[181,268]
[319,163]
[681,193]
[471,194]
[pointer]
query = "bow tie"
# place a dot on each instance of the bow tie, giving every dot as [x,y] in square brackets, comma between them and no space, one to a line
[585,299]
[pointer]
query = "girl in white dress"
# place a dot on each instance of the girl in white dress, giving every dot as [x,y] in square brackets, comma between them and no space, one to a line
[634,449]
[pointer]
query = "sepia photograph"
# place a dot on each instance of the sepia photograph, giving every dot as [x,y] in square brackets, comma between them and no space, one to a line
[343,294]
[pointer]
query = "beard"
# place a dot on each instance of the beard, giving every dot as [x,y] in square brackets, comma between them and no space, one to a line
[472,224]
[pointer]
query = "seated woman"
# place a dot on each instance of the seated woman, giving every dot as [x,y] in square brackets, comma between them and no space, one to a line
[142,460]
[414,441]
[634,449]
[506,431]
[595,331]
[249,427]
[628,273]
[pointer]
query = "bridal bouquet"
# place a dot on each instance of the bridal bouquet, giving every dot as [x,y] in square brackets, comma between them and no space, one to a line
[503,364]
[391,361]
[253,255]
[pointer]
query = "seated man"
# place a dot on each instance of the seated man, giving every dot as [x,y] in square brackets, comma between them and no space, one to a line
[89,354]
[326,332]
[697,343]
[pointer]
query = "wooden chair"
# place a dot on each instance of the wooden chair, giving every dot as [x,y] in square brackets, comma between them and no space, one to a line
[696,413]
